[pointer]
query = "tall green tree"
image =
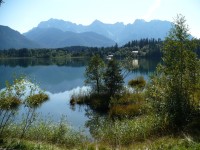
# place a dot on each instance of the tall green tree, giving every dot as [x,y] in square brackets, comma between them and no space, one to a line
[94,73]
[179,73]
[113,78]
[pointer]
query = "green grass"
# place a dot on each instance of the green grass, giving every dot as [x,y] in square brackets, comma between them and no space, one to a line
[125,132]
[45,131]
[27,145]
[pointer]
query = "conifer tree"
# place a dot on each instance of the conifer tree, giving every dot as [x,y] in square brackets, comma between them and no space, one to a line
[113,78]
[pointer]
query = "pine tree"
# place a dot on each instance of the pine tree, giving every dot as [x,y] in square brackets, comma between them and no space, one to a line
[113,78]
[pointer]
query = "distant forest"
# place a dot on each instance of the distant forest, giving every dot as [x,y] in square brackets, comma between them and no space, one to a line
[150,48]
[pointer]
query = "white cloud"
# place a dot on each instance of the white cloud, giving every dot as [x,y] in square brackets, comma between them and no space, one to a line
[152,9]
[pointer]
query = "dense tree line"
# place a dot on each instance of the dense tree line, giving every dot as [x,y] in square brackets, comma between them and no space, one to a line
[144,48]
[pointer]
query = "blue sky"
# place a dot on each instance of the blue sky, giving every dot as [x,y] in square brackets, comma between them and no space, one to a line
[23,15]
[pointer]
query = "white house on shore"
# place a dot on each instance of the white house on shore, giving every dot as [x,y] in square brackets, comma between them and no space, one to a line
[109,57]
[135,52]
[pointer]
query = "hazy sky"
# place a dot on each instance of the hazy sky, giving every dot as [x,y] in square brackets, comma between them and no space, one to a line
[23,15]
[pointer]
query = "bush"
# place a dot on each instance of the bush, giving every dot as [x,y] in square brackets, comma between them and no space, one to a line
[37,99]
[125,132]
[126,111]
[128,105]
[8,103]
[138,84]
[98,102]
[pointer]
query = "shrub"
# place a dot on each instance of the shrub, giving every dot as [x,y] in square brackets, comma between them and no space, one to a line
[37,99]
[8,103]
[126,111]
[138,84]
[127,105]
[125,132]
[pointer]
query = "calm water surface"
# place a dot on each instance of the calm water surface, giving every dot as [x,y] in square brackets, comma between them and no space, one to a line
[60,79]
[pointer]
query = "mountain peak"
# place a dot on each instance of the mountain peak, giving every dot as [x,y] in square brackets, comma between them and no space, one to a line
[96,22]
[57,23]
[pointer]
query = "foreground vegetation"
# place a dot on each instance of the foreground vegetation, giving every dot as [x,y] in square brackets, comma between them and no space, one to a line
[28,130]
[145,132]
[42,134]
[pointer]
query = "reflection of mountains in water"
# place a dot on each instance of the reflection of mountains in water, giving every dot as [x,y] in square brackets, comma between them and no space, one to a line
[75,62]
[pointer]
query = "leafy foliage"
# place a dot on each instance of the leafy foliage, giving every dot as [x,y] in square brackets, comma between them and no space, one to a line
[177,81]
[9,103]
[94,73]
[36,99]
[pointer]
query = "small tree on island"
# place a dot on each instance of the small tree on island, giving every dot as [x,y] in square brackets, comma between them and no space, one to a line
[113,78]
[94,73]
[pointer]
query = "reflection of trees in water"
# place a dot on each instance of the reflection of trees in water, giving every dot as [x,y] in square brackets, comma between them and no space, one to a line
[76,62]
[144,66]
[147,66]
[95,122]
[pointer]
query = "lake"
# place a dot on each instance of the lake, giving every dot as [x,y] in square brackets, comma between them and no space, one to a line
[60,78]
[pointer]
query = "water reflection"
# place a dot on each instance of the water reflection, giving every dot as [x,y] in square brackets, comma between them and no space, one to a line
[60,78]
[75,62]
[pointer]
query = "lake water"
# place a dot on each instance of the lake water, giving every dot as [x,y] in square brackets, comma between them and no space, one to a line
[60,79]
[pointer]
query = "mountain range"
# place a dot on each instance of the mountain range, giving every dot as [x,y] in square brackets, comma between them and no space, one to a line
[55,38]
[56,33]
[10,38]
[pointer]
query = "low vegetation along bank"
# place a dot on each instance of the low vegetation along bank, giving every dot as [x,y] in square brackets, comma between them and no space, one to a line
[161,114]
